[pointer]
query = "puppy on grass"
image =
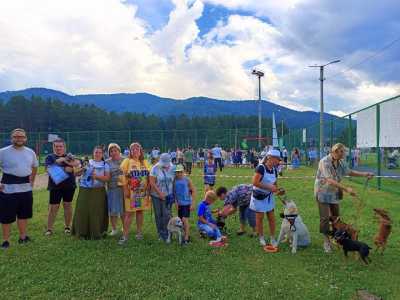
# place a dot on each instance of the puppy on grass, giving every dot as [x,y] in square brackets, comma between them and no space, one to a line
[293,227]
[175,227]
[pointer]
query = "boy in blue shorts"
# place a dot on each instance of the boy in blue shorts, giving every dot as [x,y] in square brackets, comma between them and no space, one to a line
[206,223]
[185,195]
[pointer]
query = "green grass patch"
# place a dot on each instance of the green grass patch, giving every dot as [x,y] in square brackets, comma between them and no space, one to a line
[62,267]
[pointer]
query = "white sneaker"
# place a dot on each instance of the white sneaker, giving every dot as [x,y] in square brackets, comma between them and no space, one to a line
[327,247]
[139,236]
[113,232]
[262,241]
[122,241]
[274,242]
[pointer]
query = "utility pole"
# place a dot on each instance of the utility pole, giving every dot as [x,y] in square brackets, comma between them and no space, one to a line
[259,74]
[321,104]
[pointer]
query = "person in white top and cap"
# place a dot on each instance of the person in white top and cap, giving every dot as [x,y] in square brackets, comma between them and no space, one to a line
[262,198]
[162,176]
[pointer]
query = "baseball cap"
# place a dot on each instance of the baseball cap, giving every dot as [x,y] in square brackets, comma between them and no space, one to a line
[274,153]
[179,168]
[165,160]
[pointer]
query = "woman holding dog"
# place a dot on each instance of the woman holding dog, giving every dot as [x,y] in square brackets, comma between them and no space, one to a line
[328,189]
[91,217]
[262,198]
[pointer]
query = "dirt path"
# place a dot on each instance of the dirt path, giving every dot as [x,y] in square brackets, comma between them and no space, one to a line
[41,181]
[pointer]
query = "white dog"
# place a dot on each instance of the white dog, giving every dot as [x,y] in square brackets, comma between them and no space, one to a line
[175,226]
[293,227]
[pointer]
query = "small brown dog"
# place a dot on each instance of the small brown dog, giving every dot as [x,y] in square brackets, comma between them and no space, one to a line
[338,224]
[385,227]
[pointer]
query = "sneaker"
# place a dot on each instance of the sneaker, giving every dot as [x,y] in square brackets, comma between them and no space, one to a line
[25,240]
[262,241]
[216,243]
[274,242]
[67,230]
[185,242]
[239,233]
[113,232]
[5,245]
[48,232]
[139,236]
[327,247]
[122,241]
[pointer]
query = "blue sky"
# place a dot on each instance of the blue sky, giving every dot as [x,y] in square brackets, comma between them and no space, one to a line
[184,48]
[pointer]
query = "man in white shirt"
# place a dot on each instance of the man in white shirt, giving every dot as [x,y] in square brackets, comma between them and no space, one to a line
[217,154]
[19,165]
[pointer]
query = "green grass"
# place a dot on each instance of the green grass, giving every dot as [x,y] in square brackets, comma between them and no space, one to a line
[61,267]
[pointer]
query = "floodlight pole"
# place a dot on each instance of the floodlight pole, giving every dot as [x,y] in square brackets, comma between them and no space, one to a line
[321,105]
[259,74]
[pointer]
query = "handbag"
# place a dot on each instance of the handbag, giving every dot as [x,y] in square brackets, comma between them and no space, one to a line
[260,195]
[340,194]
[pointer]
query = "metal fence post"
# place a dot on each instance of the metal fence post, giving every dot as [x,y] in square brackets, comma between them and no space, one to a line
[38,143]
[350,141]
[378,149]
[68,140]
[162,141]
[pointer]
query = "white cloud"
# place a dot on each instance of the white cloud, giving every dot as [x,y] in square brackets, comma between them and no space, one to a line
[338,113]
[101,46]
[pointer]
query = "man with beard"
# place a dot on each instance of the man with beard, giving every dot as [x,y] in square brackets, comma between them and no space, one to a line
[19,165]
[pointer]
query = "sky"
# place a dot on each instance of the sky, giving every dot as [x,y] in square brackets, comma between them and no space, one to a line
[188,48]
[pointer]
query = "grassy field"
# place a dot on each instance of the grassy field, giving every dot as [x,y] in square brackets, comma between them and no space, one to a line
[61,267]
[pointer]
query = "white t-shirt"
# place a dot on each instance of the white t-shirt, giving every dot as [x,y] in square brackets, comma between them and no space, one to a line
[216,151]
[18,163]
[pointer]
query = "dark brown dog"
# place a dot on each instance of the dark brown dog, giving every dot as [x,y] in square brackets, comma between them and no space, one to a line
[338,224]
[385,227]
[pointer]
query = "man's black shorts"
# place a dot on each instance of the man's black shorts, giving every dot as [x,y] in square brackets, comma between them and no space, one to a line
[184,211]
[16,205]
[57,195]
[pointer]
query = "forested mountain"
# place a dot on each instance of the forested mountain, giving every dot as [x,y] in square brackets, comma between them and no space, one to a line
[37,114]
[148,104]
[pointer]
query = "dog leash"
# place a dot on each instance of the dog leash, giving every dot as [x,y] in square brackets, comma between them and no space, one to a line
[359,203]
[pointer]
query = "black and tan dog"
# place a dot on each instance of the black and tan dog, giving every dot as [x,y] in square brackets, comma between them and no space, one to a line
[349,245]
[338,224]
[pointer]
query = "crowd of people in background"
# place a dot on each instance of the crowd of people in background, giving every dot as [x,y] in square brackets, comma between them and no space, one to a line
[115,185]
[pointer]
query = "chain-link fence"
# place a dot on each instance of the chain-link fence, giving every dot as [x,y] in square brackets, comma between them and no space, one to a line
[372,136]
[83,142]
